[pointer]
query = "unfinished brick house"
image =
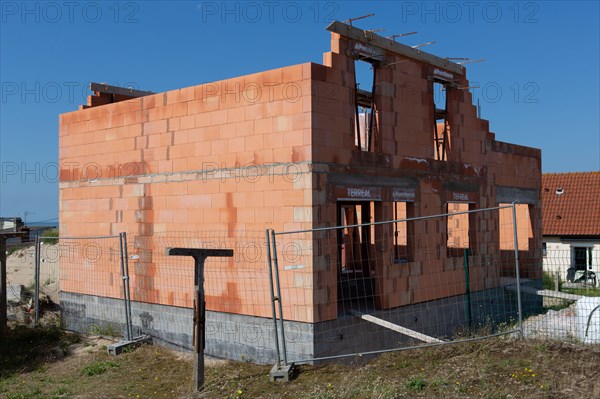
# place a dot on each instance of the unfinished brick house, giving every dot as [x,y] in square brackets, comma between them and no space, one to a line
[321,152]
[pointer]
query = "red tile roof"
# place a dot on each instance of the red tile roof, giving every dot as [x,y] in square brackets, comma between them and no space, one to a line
[574,211]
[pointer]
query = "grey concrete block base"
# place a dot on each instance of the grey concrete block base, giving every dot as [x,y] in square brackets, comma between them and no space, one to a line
[251,339]
[228,336]
[282,372]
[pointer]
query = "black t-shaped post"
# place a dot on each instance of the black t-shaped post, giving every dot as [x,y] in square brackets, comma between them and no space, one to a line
[198,337]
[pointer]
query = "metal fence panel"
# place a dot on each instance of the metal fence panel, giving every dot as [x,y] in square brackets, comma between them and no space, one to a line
[239,322]
[570,291]
[361,288]
[20,282]
[82,275]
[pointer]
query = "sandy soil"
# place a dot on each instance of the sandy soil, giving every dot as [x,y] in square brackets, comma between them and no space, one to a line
[21,267]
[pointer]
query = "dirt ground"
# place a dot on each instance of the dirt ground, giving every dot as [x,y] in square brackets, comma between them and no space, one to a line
[50,363]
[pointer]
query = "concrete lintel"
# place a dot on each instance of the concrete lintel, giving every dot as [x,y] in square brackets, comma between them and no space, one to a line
[393,47]
[506,195]
[362,180]
[122,91]
[460,186]
[249,171]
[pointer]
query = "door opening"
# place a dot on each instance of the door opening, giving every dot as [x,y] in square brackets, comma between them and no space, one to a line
[355,245]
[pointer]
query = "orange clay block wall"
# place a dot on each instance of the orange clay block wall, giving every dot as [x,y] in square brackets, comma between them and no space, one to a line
[476,165]
[165,163]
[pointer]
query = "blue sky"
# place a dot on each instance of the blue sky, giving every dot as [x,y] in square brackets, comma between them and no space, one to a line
[539,85]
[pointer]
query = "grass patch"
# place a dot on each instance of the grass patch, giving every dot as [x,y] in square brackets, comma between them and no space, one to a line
[494,368]
[593,292]
[88,371]
[99,367]
[105,329]
[416,383]
[555,304]
[25,349]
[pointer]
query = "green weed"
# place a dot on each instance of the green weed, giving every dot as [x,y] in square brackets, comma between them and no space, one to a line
[97,368]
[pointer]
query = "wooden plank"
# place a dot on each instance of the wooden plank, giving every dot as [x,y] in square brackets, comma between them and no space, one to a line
[373,39]
[397,328]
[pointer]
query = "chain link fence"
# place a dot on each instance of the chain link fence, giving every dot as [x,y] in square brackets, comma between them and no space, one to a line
[571,293]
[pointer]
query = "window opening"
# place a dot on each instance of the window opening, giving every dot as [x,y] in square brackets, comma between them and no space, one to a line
[355,246]
[506,229]
[441,128]
[366,128]
[403,236]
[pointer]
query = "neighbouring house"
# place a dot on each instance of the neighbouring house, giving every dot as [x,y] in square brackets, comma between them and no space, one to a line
[571,222]
[10,225]
[295,148]
[14,225]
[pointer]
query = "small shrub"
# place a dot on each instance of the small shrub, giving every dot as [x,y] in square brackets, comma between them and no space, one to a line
[49,236]
[549,282]
[64,347]
[416,383]
[74,338]
[11,251]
